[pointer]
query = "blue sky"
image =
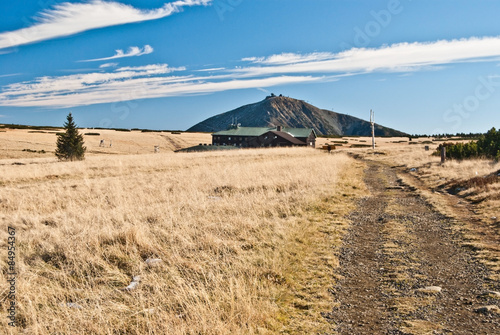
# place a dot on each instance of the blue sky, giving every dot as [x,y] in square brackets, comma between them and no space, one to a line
[423,66]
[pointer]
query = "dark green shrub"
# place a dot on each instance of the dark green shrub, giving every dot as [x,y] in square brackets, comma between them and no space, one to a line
[487,146]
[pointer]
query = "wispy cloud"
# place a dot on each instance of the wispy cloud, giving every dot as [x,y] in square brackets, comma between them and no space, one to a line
[151,69]
[212,69]
[9,75]
[263,90]
[402,57]
[132,52]
[75,84]
[106,65]
[126,83]
[158,80]
[71,18]
[290,58]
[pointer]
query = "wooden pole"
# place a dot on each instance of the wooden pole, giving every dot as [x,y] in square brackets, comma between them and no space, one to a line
[372,121]
[443,154]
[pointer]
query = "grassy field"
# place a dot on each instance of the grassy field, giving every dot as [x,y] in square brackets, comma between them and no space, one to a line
[24,143]
[245,241]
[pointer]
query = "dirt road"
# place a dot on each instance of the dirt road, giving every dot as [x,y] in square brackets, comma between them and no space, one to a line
[405,270]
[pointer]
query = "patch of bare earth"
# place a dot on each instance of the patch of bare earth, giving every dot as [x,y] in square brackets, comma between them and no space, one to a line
[404,269]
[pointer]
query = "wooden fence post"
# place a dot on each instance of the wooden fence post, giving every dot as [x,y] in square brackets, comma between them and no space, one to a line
[443,154]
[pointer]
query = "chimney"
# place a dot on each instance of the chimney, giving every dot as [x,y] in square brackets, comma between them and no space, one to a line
[279,128]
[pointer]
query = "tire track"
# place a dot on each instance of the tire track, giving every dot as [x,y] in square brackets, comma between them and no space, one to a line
[176,145]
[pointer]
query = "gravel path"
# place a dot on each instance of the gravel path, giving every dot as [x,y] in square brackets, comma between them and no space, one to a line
[404,270]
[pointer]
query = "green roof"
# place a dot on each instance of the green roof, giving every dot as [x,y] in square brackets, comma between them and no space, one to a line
[298,132]
[198,148]
[244,131]
[257,131]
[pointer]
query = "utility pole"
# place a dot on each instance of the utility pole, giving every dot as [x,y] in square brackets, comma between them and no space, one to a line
[372,121]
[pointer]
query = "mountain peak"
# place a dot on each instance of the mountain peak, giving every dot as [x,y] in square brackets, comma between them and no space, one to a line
[289,112]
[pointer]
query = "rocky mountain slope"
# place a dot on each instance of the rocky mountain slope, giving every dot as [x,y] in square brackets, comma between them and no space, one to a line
[288,112]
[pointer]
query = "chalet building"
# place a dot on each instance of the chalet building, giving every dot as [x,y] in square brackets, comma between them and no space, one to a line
[257,137]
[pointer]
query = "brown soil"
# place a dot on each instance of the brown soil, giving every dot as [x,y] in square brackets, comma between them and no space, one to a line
[397,246]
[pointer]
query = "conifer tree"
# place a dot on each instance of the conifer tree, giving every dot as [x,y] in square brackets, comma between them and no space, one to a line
[70,143]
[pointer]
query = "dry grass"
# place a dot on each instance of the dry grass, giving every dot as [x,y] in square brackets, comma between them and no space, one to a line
[473,180]
[382,143]
[421,327]
[245,240]
[14,141]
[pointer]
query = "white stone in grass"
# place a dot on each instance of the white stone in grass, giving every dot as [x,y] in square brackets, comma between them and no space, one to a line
[71,305]
[151,262]
[430,289]
[133,284]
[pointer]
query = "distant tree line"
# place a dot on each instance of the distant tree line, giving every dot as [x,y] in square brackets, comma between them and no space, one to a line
[20,126]
[486,146]
[461,136]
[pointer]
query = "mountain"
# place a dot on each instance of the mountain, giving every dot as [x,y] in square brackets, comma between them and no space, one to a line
[287,112]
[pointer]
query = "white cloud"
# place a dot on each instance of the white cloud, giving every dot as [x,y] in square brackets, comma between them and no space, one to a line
[71,18]
[289,58]
[156,80]
[212,69]
[106,65]
[152,69]
[76,83]
[402,57]
[127,83]
[132,52]
[9,75]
